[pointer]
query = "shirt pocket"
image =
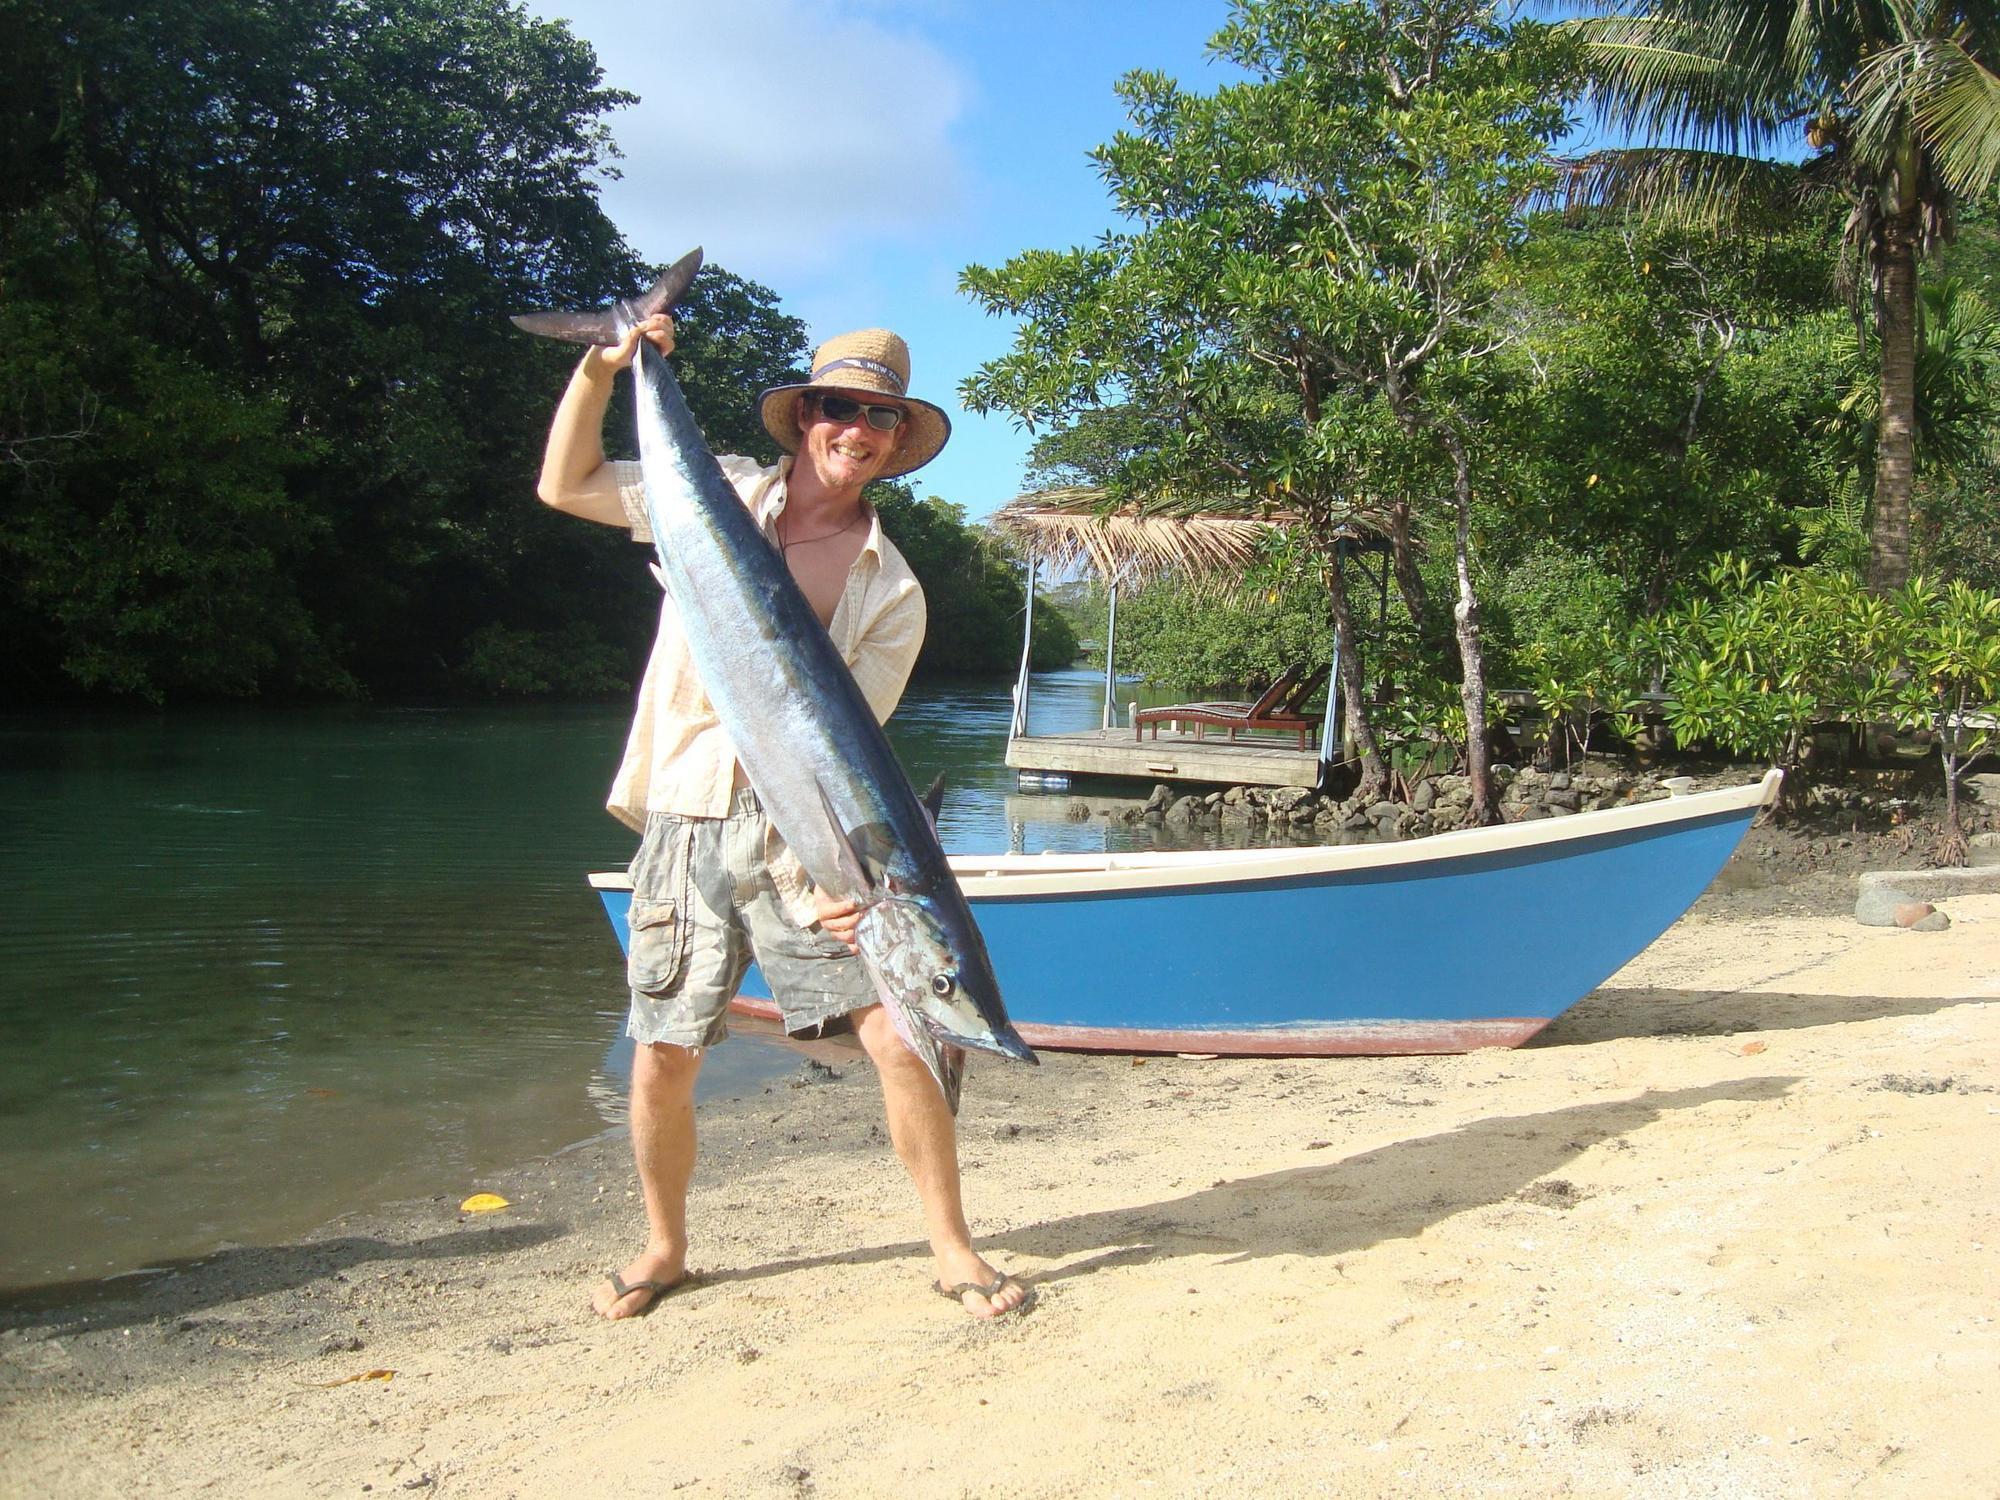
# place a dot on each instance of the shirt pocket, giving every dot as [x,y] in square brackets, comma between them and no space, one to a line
[659,945]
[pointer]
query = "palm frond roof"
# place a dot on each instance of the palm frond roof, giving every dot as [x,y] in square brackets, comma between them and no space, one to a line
[1135,543]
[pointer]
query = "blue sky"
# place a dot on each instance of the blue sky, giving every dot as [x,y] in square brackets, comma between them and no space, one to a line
[856,157]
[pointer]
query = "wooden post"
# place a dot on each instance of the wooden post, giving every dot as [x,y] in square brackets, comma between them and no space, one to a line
[1329,728]
[1111,659]
[1020,725]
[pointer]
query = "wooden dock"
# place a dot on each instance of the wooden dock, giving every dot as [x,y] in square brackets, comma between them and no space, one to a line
[1173,756]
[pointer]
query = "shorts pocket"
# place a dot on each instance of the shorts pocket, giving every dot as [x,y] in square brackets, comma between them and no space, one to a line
[659,945]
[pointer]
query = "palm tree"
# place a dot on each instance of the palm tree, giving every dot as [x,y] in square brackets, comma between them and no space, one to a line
[1895,108]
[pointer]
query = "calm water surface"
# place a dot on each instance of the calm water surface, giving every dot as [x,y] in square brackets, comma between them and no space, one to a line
[261,969]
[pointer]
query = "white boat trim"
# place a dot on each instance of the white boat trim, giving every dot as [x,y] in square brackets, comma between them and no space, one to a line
[1051,874]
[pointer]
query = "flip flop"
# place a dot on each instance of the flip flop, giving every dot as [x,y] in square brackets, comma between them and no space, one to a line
[661,1290]
[988,1291]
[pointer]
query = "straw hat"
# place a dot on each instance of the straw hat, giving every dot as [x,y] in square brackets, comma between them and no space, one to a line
[867,362]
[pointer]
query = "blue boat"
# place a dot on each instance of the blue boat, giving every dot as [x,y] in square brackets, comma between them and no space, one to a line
[1478,938]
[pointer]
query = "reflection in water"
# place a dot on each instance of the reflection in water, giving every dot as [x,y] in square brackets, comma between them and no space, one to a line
[260,969]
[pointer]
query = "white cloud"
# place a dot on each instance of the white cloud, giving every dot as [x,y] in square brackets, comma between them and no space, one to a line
[780,135]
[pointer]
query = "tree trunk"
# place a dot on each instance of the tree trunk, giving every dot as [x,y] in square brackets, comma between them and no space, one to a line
[1465,613]
[1409,582]
[1374,773]
[1895,440]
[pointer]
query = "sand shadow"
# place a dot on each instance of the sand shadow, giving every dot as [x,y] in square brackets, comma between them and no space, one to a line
[1393,1192]
[178,1288]
[1611,1014]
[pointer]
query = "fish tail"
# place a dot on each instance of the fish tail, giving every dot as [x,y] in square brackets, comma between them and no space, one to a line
[608,324]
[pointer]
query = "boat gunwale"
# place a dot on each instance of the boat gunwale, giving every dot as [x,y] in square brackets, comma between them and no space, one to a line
[1001,876]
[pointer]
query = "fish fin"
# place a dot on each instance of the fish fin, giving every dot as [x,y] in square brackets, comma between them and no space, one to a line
[605,325]
[934,800]
[873,844]
[669,289]
[571,328]
[853,868]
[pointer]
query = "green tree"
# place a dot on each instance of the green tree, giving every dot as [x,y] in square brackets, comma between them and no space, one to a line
[1953,686]
[309,221]
[1897,106]
[1668,391]
[1299,306]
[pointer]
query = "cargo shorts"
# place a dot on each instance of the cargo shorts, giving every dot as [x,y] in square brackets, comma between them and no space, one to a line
[703,906]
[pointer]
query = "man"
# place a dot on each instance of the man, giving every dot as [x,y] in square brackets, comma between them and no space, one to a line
[712,883]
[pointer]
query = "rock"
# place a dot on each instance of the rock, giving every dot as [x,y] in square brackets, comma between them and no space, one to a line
[1559,781]
[1078,811]
[1882,891]
[1381,810]
[1162,795]
[1184,811]
[1425,794]
[1566,800]
[1985,787]
[1285,798]
[1937,921]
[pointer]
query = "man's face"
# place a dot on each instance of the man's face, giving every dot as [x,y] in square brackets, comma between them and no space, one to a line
[847,454]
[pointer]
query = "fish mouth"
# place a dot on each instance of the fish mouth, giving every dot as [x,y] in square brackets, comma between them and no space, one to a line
[1009,1044]
[1002,1039]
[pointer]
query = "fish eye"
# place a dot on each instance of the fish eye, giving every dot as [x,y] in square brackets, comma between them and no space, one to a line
[941,985]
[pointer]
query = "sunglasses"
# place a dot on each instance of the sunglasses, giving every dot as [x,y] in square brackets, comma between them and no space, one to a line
[844,409]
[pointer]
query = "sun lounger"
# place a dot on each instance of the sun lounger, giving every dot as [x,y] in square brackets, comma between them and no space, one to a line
[1281,706]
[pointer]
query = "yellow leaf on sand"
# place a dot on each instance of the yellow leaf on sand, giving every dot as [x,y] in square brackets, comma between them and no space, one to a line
[327,1385]
[482,1203]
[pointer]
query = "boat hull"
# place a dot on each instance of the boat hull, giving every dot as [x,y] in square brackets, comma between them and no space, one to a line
[1449,944]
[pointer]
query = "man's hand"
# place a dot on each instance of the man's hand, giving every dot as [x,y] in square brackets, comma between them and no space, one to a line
[658,331]
[840,920]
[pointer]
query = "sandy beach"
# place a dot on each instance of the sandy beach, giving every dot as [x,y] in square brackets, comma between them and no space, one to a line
[1728,1228]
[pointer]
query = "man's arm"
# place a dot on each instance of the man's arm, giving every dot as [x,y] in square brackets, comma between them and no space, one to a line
[575,478]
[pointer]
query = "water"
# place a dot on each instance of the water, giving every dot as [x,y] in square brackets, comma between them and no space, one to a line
[260,969]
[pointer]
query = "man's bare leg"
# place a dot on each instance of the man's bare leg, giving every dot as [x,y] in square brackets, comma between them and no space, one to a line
[926,1141]
[662,1121]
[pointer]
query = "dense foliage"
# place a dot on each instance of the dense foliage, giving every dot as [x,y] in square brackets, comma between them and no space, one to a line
[264,428]
[1302,304]
[1895,106]
[1359,289]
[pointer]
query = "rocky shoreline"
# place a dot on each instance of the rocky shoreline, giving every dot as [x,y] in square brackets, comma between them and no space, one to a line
[1440,804]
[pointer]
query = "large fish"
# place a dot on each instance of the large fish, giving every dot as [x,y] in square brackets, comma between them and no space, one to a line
[804,733]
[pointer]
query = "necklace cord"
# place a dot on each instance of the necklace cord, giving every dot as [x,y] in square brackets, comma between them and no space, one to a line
[807,541]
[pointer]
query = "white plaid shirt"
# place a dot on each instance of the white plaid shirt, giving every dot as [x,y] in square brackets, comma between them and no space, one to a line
[678,759]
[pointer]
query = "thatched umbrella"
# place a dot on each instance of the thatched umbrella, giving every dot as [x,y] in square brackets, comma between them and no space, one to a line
[1135,544]
[1074,527]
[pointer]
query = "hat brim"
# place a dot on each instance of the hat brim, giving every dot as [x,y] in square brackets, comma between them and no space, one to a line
[928,427]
